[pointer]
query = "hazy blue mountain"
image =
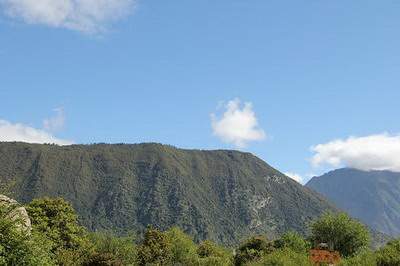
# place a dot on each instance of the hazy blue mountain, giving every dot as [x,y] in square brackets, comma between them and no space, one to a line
[371,196]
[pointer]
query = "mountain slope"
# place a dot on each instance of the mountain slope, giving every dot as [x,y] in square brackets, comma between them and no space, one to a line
[373,197]
[220,195]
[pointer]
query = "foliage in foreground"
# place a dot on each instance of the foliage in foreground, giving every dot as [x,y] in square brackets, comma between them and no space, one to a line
[389,255]
[363,258]
[57,239]
[253,249]
[341,233]
[19,247]
[283,257]
[110,250]
[293,241]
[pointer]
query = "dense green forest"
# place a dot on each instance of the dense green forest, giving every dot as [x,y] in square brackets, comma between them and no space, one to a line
[56,238]
[219,195]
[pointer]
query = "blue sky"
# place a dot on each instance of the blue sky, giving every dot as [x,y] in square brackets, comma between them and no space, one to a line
[314,71]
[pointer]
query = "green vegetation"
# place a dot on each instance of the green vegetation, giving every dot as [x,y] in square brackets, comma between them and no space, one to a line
[56,238]
[210,253]
[253,249]
[182,246]
[156,249]
[390,254]
[223,196]
[341,233]
[293,241]
[283,257]
[55,219]
[18,246]
[365,257]
[110,250]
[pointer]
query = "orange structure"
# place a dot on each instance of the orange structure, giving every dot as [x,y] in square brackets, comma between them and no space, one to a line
[324,257]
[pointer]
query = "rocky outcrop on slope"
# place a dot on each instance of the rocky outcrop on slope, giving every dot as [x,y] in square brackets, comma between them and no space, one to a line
[16,212]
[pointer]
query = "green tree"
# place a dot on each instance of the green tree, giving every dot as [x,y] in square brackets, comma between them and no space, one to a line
[211,254]
[182,246]
[364,258]
[283,257]
[252,249]
[293,241]
[341,233]
[19,247]
[111,250]
[389,255]
[57,221]
[156,249]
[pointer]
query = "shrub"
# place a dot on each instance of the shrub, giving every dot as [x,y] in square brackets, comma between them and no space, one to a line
[363,258]
[389,255]
[253,249]
[283,257]
[212,254]
[341,233]
[156,249]
[56,220]
[184,250]
[293,241]
[213,261]
[111,250]
[18,247]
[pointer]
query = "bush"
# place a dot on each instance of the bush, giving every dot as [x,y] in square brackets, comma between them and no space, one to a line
[389,255]
[341,233]
[213,261]
[293,241]
[156,249]
[283,257]
[364,258]
[212,254]
[253,249]
[18,247]
[184,250]
[56,220]
[111,250]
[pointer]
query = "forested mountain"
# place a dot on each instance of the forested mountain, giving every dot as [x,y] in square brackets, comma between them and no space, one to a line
[220,195]
[371,196]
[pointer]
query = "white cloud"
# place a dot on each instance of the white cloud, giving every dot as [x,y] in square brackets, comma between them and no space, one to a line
[375,152]
[56,122]
[295,177]
[88,16]
[237,125]
[24,133]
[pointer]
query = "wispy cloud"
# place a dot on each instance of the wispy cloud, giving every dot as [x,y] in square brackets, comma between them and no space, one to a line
[375,152]
[89,16]
[24,133]
[238,124]
[295,177]
[20,132]
[56,122]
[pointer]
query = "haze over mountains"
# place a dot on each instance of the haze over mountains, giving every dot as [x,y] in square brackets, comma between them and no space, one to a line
[371,196]
[220,195]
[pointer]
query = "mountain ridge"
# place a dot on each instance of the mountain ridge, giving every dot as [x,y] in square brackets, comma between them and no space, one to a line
[371,196]
[223,195]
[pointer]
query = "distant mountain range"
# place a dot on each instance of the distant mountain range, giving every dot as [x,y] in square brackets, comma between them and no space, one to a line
[221,195]
[371,196]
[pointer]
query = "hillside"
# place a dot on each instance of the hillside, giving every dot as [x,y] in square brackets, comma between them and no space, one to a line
[373,197]
[220,195]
